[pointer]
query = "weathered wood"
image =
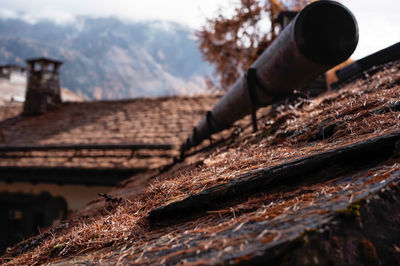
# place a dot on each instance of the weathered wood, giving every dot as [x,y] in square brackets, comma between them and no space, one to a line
[369,237]
[64,176]
[62,147]
[337,161]
[6,155]
[383,56]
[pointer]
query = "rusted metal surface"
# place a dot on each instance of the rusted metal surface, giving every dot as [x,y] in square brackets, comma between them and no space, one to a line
[322,35]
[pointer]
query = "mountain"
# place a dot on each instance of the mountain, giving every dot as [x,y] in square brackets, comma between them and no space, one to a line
[108,58]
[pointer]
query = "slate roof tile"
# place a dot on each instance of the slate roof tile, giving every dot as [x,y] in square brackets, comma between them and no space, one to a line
[277,225]
[153,121]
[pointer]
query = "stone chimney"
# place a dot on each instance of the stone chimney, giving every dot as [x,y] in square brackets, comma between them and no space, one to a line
[43,91]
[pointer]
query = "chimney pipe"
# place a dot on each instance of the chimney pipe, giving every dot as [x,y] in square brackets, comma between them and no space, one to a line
[322,35]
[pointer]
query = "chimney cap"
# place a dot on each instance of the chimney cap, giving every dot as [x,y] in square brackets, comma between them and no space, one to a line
[44,60]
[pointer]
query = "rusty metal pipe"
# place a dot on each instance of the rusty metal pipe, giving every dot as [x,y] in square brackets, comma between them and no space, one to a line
[322,35]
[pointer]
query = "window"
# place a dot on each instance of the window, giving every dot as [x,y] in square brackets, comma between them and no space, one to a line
[37,67]
[14,215]
[50,68]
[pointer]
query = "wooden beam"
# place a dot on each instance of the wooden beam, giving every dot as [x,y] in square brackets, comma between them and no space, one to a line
[332,162]
[378,58]
[61,147]
[64,176]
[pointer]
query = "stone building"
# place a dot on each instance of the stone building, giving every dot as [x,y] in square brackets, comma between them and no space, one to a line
[24,215]
[13,80]
[43,90]
[13,73]
[80,149]
[318,184]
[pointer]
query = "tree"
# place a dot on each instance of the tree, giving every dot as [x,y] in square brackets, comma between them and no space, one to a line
[233,43]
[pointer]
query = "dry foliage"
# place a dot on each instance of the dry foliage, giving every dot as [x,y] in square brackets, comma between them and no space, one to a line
[233,43]
[365,108]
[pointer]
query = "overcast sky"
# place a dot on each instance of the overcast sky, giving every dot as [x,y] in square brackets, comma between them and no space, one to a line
[379,20]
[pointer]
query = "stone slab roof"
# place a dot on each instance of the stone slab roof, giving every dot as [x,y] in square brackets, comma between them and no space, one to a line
[300,201]
[142,121]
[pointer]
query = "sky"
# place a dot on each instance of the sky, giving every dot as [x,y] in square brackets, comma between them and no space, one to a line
[379,22]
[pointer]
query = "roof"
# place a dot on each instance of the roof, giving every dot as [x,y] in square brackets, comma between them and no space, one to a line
[12,66]
[99,135]
[43,60]
[316,182]
[9,111]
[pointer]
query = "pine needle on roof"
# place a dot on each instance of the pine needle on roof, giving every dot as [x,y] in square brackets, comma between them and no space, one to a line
[359,110]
